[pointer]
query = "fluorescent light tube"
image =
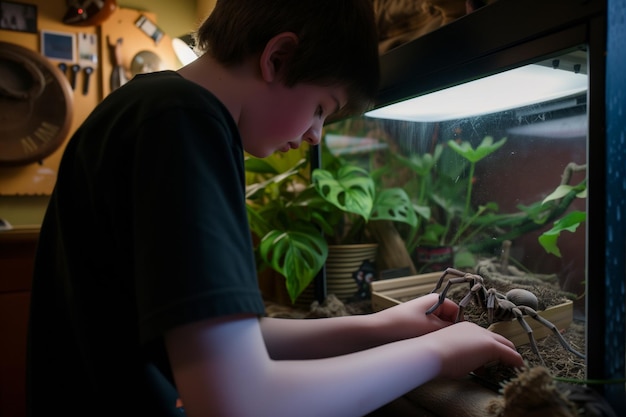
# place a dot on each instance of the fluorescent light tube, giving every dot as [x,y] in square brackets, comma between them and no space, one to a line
[512,89]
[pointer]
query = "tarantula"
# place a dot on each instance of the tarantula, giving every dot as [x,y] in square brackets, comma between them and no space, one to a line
[515,304]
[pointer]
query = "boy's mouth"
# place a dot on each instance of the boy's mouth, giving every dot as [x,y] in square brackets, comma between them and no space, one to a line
[288,146]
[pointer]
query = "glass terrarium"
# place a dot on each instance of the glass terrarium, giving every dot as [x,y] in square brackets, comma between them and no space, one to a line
[496,132]
[496,172]
[495,167]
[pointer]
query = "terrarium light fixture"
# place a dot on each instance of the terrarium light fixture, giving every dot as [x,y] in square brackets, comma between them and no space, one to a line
[519,87]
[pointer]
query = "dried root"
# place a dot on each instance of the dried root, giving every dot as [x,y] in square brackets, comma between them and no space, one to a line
[533,393]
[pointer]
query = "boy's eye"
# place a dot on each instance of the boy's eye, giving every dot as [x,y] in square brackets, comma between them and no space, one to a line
[319,112]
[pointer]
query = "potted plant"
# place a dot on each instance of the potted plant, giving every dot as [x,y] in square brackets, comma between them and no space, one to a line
[278,212]
[447,221]
[296,220]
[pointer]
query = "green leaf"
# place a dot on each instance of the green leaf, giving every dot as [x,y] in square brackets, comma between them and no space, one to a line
[560,192]
[549,243]
[394,204]
[464,259]
[297,255]
[253,189]
[423,211]
[277,162]
[485,148]
[259,166]
[422,164]
[570,222]
[563,190]
[352,190]
[432,234]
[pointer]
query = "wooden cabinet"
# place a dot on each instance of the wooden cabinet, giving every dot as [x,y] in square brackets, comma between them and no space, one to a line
[17,253]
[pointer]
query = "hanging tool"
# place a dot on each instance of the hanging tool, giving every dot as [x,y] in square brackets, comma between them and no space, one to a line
[118,74]
[74,69]
[63,67]
[88,71]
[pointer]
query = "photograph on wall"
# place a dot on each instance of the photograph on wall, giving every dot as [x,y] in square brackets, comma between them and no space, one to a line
[59,46]
[19,17]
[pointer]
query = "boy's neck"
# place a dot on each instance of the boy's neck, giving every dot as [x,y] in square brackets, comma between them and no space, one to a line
[231,85]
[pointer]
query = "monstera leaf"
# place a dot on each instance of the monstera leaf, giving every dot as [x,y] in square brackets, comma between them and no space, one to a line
[352,189]
[394,204]
[298,255]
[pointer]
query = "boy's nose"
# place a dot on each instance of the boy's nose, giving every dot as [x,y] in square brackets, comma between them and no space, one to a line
[313,136]
[311,139]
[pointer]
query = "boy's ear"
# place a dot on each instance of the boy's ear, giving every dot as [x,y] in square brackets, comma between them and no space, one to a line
[278,51]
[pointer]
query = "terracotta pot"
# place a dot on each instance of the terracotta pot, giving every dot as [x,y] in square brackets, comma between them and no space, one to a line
[433,258]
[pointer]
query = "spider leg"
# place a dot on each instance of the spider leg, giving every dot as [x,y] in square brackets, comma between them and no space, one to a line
[491,304]
[529,331]
[532,313]
[451,281]
[442,296]
[467,299]
[450,271]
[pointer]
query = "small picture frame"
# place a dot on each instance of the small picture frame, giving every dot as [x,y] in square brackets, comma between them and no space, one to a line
[150,28]
[58,46]
[20,17]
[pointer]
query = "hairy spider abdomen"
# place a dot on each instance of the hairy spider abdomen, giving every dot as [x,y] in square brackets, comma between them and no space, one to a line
[521,297]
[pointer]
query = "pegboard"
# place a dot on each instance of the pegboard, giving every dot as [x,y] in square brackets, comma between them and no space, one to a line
[38,179]
[122,25]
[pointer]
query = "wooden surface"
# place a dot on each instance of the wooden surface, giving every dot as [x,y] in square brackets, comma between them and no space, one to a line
[39,178]
[17,251]
[122,25]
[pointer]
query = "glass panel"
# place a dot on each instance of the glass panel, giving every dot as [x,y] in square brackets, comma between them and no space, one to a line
[504,190]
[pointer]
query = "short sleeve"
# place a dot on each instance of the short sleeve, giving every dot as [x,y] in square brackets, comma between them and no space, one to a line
[194,256]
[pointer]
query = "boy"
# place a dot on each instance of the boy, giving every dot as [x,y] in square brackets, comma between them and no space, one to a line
[145,297]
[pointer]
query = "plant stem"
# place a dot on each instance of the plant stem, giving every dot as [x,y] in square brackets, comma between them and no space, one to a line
[470,185]
[526,226]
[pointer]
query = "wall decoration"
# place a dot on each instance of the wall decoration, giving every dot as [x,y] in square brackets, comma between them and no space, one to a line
[87,49]
[123,23]
[88,12]
[150,28]
[119,76]
[35,106]
[59,46]
[144,62]
[87,57]
[20,17]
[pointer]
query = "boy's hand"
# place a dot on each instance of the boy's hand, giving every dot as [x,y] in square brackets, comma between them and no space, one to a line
[465,347]
[411,317]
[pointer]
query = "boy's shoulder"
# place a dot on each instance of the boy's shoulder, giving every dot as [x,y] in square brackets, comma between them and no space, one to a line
[164,89]
[161,82]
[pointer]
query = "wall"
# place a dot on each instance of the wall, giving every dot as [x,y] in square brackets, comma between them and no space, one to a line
[175,17]
[24,190]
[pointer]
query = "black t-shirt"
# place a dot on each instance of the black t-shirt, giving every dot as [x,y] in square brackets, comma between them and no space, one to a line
[146,230]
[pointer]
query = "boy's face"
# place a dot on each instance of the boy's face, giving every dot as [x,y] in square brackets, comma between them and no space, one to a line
[282,118]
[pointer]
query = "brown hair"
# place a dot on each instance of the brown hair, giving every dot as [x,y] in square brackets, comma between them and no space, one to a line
[338,42]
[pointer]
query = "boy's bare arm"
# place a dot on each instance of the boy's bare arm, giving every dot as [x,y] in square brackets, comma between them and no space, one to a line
[317,338]
[222,367]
